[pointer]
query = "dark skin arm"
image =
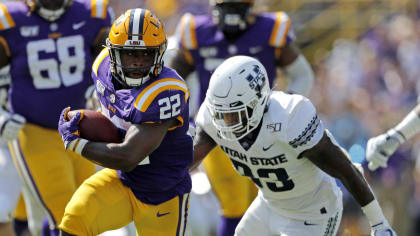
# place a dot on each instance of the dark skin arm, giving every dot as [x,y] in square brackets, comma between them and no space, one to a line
[139,142]
[287,55]
[203,144]
[333,161]
[181,64]
[99,42]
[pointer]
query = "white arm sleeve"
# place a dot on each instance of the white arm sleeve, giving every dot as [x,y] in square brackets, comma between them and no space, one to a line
[301,76]
[408,127]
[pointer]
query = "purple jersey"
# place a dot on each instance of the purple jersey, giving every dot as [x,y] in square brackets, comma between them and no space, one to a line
[164,173]
[50,61]
[208,47]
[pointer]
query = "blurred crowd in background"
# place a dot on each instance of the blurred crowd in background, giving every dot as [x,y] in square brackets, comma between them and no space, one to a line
[366,56]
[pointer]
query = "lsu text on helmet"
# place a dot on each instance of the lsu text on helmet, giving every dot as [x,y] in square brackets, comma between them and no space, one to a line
[50,10]
[232,16]
[237,96]
[137,34]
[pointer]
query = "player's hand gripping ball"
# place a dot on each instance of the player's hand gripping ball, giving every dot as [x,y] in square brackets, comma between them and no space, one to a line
[87,124]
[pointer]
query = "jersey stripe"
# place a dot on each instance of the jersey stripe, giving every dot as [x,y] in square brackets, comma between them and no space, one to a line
[6,21]
[99,8]
[280,30]
[95,66]
[189,39]
[3,42]
[146,97]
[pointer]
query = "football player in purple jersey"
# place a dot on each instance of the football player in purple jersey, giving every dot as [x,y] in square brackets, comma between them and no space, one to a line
[146,179]
[205,41]
[50,45]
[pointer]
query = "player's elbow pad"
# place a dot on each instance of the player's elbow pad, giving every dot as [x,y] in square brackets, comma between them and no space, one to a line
[301,76]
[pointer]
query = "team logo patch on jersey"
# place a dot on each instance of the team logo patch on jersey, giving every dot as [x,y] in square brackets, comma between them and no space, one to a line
[78,25]
[100,87]
[276,127]
[112,98]
[29,31]
[53,27]
[255,50]
[208,51]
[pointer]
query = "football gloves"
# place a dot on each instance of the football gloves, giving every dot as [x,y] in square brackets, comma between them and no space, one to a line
[382,229]
[10,125]
[379,149]
[69,129]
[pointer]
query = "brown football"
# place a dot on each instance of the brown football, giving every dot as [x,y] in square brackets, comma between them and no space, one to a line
[96,127]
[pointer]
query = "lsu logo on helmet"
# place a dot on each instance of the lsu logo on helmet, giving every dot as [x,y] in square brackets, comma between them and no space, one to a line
[136,29]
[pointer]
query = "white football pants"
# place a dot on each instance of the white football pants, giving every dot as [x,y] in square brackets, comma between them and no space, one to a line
[261,220]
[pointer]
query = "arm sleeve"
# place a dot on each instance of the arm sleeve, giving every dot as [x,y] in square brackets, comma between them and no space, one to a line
[167,105]
[304,128]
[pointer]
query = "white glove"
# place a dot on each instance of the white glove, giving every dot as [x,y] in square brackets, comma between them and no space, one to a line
[379,149]
[383,229]
[10,125]
[191,131]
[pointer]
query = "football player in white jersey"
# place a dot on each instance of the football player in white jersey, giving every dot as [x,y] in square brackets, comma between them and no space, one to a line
[381,147]
[278,141]
[10,183]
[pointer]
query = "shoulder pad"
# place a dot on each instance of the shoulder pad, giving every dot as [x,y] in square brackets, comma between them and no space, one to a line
[95,66]
[186,32]
[304,128]
[148,94]
[99,9]
[280,30]
[6,20]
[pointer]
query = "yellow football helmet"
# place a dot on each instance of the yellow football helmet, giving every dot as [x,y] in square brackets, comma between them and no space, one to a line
[50,10]
[136,31]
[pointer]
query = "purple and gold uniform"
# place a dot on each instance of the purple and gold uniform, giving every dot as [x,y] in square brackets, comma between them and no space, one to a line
[155,194]
[50,69]
[206,48]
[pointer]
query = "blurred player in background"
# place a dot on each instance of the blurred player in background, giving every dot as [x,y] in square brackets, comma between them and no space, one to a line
[50,45]
[381,147]
[279,142]
[207,40]
[146,179]
[10,183]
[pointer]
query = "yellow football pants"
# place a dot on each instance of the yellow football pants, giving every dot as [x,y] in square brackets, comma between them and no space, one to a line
[20,210]
[235,192]
[52,173]
[103,203]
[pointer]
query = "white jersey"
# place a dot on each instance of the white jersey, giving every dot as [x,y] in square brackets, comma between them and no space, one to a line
[290,183]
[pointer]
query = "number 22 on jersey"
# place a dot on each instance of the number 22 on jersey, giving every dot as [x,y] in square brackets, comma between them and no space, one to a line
[50,73]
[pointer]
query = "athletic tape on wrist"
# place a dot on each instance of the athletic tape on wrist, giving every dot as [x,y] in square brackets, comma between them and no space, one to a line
[374,213]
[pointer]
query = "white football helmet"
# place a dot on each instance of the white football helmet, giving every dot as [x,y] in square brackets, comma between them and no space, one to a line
[237,96]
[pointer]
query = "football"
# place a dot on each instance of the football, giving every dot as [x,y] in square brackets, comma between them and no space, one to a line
[96,127]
